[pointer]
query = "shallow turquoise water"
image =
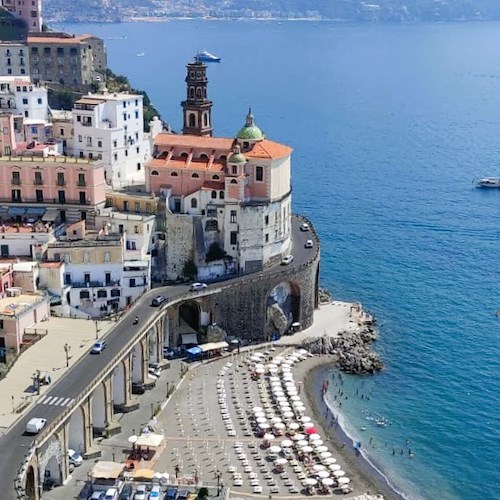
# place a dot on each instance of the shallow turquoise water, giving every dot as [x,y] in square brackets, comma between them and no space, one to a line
[389,124]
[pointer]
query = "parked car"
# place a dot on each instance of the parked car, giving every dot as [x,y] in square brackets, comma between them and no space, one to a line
[158,301]
[154,369]
[182,495]
[141,493]
[168,353]
[198,286]
[74,458]
[35,425]
[111,494]
[155,492]
[126,493]
[286,260]
[97,495]
[304,227]
[98,347]
[138,388]
[171,493]
[309,244]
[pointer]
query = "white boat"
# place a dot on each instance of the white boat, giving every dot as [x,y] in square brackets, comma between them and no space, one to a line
[205,56]
[488,182]
[141,54]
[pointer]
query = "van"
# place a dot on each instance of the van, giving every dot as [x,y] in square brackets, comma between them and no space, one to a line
[74,458]
[111,494]
[35,425]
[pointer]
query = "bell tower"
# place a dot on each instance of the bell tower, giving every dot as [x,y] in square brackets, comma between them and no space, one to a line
[197,109]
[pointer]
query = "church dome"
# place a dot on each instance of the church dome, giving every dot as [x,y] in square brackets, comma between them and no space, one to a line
[250,131]
[237,156]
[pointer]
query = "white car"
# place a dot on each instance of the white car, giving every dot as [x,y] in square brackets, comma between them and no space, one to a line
[198,286]
[74,458]
[287,260]
[111,494]
[309,244]
[155,492]
[141,492]
[154,369]
[35,425]
[304,227]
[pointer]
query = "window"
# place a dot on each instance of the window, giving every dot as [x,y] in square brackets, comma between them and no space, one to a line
[126,152]
[267,238]
[61,132]
[101,294]
[136,229]
[139,166]
[234,181]
[137,114]
[61,195]
[194,203]
[115,156]
[259,174]
[233,216]
[39,101]
[81,180]
[115,293]
[154,172]
[221,195]
[125,206]
[39,196]
[25,101]
[234,169]
[84,294]
[60,179]
[195,176]
[132,282]
[107,256]
[137,207]
[99,144]
[86,277]
[174,174]
[80,138]
[67,278]
[214,194]
[266,219]
[215,177]
[115,143]
[233,238]
[148,208]
[82,197]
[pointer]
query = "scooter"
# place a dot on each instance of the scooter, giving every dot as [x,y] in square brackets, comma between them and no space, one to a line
[136,320]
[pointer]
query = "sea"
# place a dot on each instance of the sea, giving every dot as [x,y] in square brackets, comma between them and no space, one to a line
[389,124]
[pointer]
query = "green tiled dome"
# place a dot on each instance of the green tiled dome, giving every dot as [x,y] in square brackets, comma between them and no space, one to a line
[250,132]
[237,156]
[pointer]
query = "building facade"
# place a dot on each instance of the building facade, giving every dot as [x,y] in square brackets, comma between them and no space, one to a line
[110,127]
[30,11]
[76,60]
[14,59]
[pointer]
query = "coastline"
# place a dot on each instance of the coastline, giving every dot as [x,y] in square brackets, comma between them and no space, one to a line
[312,373]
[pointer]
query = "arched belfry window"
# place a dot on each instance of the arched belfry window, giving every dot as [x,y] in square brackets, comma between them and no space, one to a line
[192,120]
[194,203]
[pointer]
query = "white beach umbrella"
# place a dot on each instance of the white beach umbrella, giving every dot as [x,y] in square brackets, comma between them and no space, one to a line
[280,461]
[318,467]
[286,369]
[258,414]
[275,420]
[256,409]
[264,426]
[294,426]
[281,399]
[259,354]
[299,437]
[302,351]
[268,436]
[289,383]
[334,467]
[320,448]
[314,437]
[298,404]
[294,398]
[279,426]
[307,425]
[307,449]
[287,376]
[338,473]
[310,481]
[255,358]
[288,414]
[343,480]
[271,366]
[286,443]
[328,460]
[302,443]
[259,371]
[278,360]
[132,439]
[322,474]
[273,371]
[261,420]
[325,454]
[305,419]
[275,449]
[275,379]
[327,481]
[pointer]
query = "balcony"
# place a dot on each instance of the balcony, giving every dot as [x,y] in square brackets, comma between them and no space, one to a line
[16,182]
[86,124]
[81,184]
[45,201]
[94,284]
[38,182]
[61,182]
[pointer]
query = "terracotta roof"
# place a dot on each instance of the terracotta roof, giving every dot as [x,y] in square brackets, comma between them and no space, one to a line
[268,150]
[181,164]
[193,141]
[60,39]
[212,185]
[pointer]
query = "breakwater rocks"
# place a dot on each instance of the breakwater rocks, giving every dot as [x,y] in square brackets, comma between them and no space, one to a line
[351,348]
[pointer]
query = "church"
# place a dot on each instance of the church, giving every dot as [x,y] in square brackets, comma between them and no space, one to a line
[232,196]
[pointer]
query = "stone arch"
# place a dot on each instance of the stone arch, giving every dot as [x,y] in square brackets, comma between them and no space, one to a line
[30,487]
[50,462]
[118,387]
[76,431]
[98,409]
[189,317]
[282,308]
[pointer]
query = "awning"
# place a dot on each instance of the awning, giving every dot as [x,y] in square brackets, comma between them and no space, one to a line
[50,215]
[38,211]
[152,440]
[212,346]
[16,210]
[35,211]
[189,338]
[107,470]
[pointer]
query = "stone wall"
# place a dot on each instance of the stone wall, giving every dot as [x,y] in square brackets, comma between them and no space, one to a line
[179,243]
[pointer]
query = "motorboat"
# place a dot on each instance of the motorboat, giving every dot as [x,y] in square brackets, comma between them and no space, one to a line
[205,56]
[488,182]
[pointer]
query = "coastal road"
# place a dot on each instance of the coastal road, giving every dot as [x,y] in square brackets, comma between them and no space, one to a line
[14,444]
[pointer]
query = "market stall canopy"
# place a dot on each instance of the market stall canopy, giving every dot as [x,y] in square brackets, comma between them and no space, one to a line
[189,338]
[107,470]
[144,474]
[152,440]
[212,346]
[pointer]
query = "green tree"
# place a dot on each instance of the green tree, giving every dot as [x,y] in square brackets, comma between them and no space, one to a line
[189,270]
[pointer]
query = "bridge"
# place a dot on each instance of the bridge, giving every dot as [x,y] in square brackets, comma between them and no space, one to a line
[82,404]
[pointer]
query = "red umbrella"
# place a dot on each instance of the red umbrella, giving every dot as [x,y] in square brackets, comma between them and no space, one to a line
[311,430]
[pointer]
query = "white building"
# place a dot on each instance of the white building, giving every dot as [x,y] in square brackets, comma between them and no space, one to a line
[24,239]
[110,126]
[14,59]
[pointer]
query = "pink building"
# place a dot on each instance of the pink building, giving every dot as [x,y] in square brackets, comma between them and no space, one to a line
[28,10]
[50,188]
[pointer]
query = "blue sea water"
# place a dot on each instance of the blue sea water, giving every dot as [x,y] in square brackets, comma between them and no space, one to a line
[389,126]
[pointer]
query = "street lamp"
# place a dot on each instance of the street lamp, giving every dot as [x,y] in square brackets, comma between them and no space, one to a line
[67,348]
